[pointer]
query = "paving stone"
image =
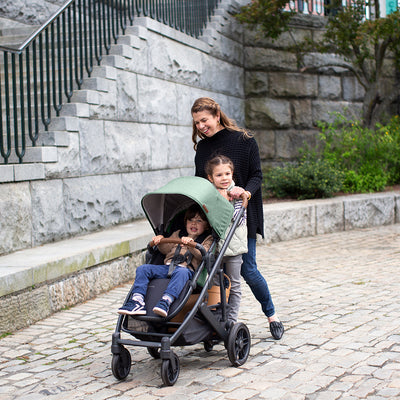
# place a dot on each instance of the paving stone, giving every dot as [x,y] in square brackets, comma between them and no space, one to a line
[341,335]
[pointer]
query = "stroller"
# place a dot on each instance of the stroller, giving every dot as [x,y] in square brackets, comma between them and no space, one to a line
[199,314]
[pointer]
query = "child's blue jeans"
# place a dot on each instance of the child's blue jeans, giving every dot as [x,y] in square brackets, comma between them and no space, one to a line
[146,272]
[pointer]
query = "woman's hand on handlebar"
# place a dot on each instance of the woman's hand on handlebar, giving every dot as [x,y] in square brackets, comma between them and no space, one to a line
[236,192]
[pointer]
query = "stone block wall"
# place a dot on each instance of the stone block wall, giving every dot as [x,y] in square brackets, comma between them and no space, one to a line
[126,132]
[284,104]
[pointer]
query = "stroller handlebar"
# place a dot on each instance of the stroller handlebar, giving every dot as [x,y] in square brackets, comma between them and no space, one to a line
[245,199]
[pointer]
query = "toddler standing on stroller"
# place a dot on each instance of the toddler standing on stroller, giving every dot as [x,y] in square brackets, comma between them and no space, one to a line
[219,171]
[184,260]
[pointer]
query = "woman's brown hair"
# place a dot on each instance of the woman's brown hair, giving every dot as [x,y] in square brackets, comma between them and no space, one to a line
[210,105]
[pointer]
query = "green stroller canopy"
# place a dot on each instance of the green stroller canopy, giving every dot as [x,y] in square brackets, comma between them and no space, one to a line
[162,205]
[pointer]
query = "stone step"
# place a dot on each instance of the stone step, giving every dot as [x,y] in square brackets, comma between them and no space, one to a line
[37,154]
[21,172]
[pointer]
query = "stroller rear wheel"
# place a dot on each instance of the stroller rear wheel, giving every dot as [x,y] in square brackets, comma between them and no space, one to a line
[169,372]
[121,364]
[238,345]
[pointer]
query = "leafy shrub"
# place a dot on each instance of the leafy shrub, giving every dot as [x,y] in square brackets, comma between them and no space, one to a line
[368,158]
[349,158]
[307,179]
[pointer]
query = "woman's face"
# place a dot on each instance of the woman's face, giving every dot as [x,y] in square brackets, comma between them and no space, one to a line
[207,123]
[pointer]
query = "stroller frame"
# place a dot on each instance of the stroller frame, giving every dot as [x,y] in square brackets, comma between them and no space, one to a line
[162,333]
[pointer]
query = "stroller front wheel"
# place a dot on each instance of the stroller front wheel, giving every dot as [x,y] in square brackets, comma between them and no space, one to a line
[238,345]
[154,352]
[169,372]
[121,364]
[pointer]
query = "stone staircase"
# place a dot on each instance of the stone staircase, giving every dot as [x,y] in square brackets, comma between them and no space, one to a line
[13,34]
[56,140]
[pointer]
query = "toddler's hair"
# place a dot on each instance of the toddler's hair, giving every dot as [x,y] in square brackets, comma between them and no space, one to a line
[215,161]
[194,210]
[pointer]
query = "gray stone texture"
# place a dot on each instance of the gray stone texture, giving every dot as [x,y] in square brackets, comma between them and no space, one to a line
[269,59]
[329,216]
[302,113]
[266,143]
[378,210]
[289,142]
[329,87]
[325,110]
[92,203]
[15,217]
[352,89]
[256,83]
[267,113]
[47,211]
[73,289]
[285,222]
[36,13]
[293,85]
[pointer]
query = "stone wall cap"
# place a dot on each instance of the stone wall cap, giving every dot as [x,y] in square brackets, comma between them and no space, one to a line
[31,267]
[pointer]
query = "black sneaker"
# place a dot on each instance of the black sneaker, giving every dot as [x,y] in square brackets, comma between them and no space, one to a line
[276,328]
[161,308]
[132,307]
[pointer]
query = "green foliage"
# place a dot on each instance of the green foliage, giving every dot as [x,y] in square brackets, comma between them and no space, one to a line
[269,16]
[307,179]
[368,158]
[350,158]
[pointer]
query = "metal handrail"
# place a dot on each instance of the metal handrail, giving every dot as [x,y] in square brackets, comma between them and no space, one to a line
[40,75]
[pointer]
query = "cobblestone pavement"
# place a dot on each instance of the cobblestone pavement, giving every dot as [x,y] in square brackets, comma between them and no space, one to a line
[338,296]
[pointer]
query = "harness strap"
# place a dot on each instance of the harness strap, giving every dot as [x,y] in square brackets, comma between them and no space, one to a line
[172,264]
[178,259]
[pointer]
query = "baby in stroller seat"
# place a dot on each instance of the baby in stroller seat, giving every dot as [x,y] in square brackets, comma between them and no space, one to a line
[180,262]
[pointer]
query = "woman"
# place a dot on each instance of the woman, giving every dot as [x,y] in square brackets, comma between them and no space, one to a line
[220,135]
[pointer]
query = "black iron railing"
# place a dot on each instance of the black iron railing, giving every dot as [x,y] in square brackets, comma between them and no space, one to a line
[39,76]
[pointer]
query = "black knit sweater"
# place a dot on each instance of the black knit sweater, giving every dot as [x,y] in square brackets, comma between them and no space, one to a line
[245,156]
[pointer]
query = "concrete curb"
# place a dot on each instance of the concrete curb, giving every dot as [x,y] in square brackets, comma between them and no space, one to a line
[37,282]
[292,220]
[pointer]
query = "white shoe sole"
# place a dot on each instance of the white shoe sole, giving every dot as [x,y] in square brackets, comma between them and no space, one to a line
[127,312]
[159,311]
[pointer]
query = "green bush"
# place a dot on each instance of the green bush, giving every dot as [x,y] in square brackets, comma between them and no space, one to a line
[368,158]
[349,158]
[308,179]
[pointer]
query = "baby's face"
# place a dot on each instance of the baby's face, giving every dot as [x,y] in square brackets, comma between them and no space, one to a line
[196,226]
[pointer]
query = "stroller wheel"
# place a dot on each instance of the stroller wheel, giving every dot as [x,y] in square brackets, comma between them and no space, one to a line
[154,352]
[169,373]
[121,364]
[238,345]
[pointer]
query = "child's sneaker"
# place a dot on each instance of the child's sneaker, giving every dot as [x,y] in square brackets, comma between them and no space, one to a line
[161,308]
[132,307]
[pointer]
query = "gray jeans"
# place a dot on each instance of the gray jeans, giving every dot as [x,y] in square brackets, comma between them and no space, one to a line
[233,265]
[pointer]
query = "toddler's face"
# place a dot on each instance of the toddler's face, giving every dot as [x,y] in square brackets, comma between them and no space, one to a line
[196,226]
[222,176]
